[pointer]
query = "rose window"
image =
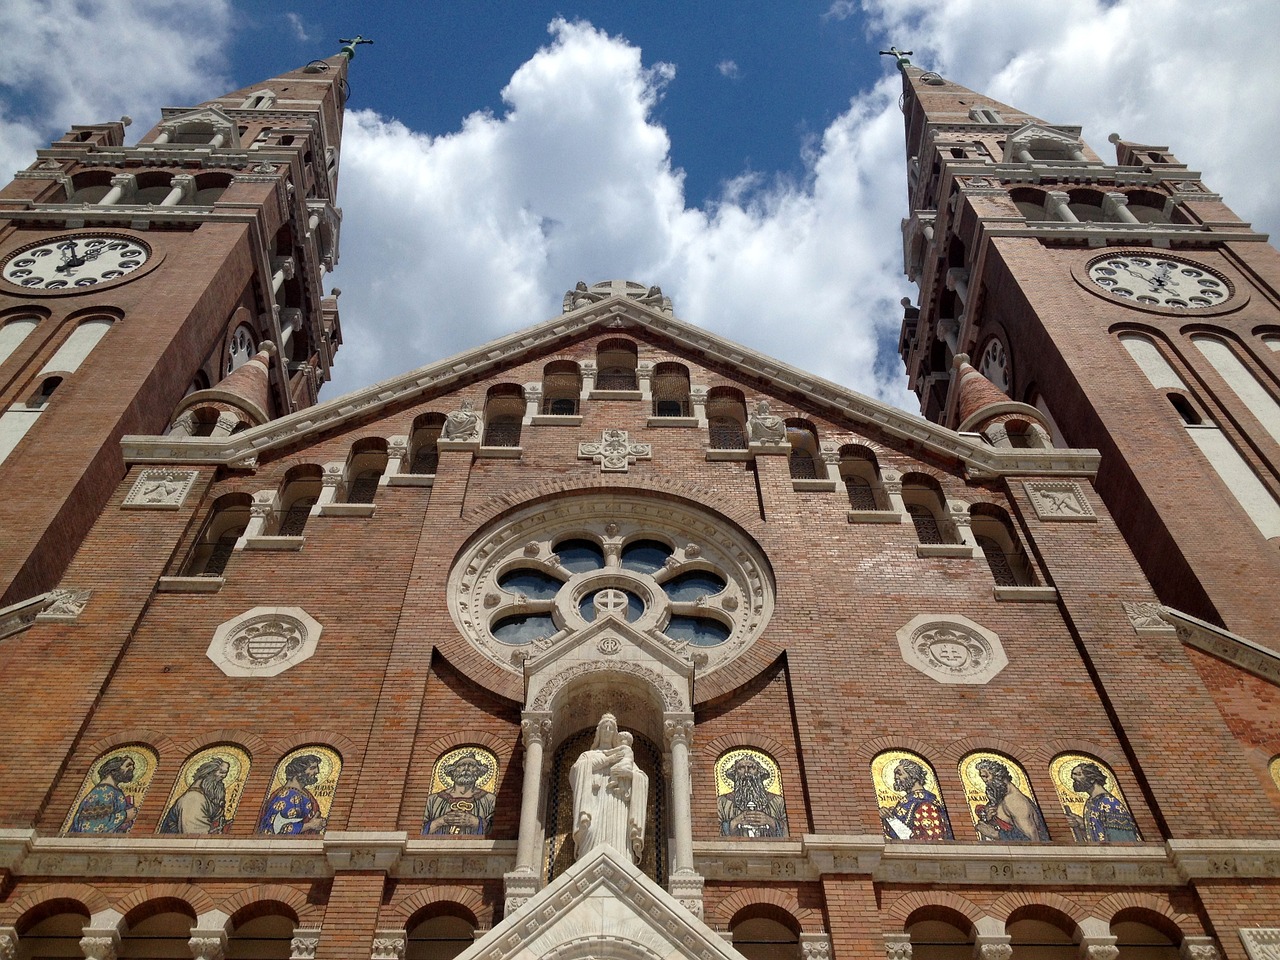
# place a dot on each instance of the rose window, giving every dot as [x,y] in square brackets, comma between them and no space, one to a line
[681,576]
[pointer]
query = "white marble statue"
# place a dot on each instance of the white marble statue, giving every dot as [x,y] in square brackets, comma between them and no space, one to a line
[462,424]
[610,794]
[766,427]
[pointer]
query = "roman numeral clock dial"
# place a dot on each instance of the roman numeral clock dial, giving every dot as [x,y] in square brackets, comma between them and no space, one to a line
[71,262]
[1159,281]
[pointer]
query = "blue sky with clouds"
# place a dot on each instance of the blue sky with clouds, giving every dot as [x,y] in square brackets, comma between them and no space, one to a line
[747,155]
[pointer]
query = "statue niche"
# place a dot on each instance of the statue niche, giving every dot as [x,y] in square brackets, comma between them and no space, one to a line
[563,822]
[610,794]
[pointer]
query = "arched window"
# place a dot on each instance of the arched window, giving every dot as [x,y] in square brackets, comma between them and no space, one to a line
[727,418]
[210,188]
[1145,935]
[995,535]
[153,187]
[424,457]
[923,498]
[76,347]
[805,462]
[1086,204]
[52,930]
[616,362]
[1030,202]
[217,541]
[861,475]
[162,930]
[441,933]
[263,937]
[241,347]
[365,467]
[13,333]
[561,387]
[90,186]
[1243,381]
[39,399]
[1040,937]
[671,390]
[1148,206]
[503,414]
[767,937]
[300,493]
[939,933]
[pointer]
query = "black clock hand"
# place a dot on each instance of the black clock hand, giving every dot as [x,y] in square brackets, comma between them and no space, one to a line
[69,258]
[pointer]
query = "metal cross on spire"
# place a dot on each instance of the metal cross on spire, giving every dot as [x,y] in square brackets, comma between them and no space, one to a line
[899,55]
[349,46]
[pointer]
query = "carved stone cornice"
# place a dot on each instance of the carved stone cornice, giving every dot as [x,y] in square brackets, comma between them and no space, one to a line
[364,850]
[1203,859]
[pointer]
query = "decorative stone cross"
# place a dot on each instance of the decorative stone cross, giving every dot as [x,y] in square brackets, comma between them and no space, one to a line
[614,452]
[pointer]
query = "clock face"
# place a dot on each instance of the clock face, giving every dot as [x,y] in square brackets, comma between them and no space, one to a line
[1159,282]
[994,364]
[82,261]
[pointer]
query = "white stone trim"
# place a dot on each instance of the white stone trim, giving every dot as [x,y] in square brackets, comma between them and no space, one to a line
[1261,943]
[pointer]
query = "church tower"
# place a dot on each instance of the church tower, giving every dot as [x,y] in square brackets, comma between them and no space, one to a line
[1118,306]
[135,279]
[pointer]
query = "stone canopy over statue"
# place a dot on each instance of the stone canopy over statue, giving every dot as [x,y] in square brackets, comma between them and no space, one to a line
[610,794]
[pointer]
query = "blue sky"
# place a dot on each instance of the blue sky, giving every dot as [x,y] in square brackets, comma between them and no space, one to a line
[747,156]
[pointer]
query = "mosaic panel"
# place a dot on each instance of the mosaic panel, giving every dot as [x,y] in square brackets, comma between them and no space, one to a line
[111,795]
[911,804]
[462,799]
[1001,802]
[749,796]
[208,789]
[301,792]
[1095,807]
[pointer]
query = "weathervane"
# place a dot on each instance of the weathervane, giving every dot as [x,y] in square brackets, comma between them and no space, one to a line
[349,46]
[899,55]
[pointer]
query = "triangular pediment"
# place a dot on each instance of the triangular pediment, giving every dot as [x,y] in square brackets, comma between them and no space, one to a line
[623,314]
[612,643]
[1037,133]
[601,907]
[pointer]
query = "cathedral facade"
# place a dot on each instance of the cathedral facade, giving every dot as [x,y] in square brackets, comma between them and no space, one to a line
[612,637]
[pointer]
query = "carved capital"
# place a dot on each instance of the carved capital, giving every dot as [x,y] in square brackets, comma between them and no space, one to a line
[8,943]
[535,729]
[678,730]
[1199,948]
[994,950]
[303,945]
[99,947]
[388,945]
[897,946]
[815,946]
[208,947]
[398,449]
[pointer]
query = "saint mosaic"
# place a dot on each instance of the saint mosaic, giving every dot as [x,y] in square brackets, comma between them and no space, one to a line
[207,791]
[749,795]
[461,800]
[911,806]
[301,792]
[1001,802]
[1094,805]
[112,793]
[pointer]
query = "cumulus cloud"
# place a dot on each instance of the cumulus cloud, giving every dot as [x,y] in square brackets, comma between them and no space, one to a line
[299,28]
[467,236]
[69,62]
[730,69]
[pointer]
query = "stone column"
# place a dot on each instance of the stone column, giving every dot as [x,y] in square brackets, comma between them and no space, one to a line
[181,187]
[260,513]
[1075,153]
[121,185]
[218,140]
[958,280]
[1057,206]
[532,402]
[891,481]
[163,137]
[958,513]
[536,728]
[330,481]
[1116,206]
[644,380]
[1023,155]
[678,730]
[588,370]
[831,459]
[397,454]
[224,425]
[283,270]
[698,399]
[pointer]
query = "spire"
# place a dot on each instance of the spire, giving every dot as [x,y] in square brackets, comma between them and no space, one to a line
[928,100]
[979,401]
[245,393]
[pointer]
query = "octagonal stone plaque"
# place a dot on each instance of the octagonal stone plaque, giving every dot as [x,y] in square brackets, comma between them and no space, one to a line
[264,641]
[951,648]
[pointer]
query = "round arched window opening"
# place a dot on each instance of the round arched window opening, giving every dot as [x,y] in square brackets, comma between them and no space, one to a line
[672,571]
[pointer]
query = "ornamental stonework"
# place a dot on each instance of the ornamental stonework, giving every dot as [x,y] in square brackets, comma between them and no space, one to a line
[1261,943]
[160,489]
[264,641]
[1059,500]
[614,451]
[952,649]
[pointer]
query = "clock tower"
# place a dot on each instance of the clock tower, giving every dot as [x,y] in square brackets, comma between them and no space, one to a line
[1119,306]
[134,280]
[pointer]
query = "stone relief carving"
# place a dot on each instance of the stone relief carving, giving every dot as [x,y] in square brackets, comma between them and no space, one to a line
[65,604]
[1058,500]
[98,948]
[1261,943]
[614,451]
[951,649]
[1146,616]
[389,945]
[264,641]
[582,296]
[303,945]
[815,946]
[160,489]
[610,794]
[671,699]
[208,948]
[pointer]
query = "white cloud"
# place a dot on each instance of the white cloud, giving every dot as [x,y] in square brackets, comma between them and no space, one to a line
[468,236]
[67,62]
[299,28]
[730,69]
[841,10]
